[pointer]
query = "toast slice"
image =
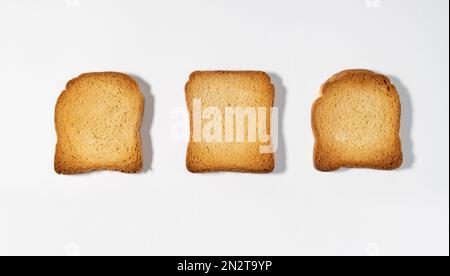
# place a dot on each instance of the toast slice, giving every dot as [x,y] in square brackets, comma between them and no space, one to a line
[356,123]
[224,91]
[98,118]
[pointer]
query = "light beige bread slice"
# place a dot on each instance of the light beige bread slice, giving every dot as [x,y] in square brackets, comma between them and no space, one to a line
[229,89]
[356,122]
[98,118]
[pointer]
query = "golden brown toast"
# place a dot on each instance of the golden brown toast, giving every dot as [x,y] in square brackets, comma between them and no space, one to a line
[356,122]
[225,90]
[98,118]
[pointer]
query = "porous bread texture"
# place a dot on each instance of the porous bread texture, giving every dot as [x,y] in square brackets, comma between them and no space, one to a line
[98,118]
[356,123]
[229,89]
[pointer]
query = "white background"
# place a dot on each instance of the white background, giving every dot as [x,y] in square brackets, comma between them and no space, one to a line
[166,210]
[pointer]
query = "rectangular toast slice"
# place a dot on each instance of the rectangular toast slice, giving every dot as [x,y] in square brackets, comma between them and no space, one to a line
[356,123]
[98,118]
[219,141]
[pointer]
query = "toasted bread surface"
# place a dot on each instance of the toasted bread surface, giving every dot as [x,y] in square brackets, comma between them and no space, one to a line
[356,122]
[229,89]
[98,118]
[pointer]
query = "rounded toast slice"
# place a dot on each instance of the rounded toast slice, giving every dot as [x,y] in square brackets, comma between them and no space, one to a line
[98,118]
[356,122]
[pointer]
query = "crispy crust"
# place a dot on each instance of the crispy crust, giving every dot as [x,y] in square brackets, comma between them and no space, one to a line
[327,158]
[68,159]
[214,157]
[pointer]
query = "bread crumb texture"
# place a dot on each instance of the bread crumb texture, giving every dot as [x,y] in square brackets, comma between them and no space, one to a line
[98,118]
[356,122]
[222,89]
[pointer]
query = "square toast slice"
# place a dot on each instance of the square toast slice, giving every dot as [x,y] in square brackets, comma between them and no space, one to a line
[356,123]
[227,90]
[98,119]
